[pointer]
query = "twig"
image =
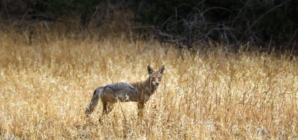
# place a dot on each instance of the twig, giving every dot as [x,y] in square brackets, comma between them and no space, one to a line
[267,13]
[292,38]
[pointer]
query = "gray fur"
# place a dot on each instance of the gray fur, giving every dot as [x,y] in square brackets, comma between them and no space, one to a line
[123,91]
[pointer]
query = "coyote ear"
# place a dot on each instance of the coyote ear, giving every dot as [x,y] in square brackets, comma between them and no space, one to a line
[150,70]
[161,69]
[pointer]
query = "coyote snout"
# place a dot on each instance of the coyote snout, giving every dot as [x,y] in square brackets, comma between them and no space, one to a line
[155,83]
[139,92]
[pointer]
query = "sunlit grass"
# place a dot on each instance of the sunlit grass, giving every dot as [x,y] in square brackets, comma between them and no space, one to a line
[47,83]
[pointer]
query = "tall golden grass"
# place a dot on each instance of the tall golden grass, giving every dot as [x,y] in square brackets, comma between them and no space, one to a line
[47,82]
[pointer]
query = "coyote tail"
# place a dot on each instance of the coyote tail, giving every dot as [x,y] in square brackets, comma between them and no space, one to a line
[94,101]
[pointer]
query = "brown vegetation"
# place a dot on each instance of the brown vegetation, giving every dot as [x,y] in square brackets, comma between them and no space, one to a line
[47,83]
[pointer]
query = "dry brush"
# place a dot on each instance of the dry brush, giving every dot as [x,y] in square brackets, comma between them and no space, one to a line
[47,84]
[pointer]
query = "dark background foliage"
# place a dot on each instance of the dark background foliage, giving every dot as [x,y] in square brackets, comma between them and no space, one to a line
[183,22]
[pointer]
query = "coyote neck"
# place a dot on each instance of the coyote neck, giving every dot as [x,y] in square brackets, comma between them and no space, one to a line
[144,87]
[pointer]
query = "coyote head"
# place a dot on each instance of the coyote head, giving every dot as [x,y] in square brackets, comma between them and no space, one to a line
[155,77]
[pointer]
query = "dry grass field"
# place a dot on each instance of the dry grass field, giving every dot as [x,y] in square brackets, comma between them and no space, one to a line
[47,82]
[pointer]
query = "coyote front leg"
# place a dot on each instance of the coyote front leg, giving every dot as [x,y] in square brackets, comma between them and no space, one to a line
[140,109]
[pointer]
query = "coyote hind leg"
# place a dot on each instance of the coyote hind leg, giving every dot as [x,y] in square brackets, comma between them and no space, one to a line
[107,108]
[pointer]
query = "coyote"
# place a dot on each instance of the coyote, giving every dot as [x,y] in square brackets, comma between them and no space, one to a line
[139,92]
